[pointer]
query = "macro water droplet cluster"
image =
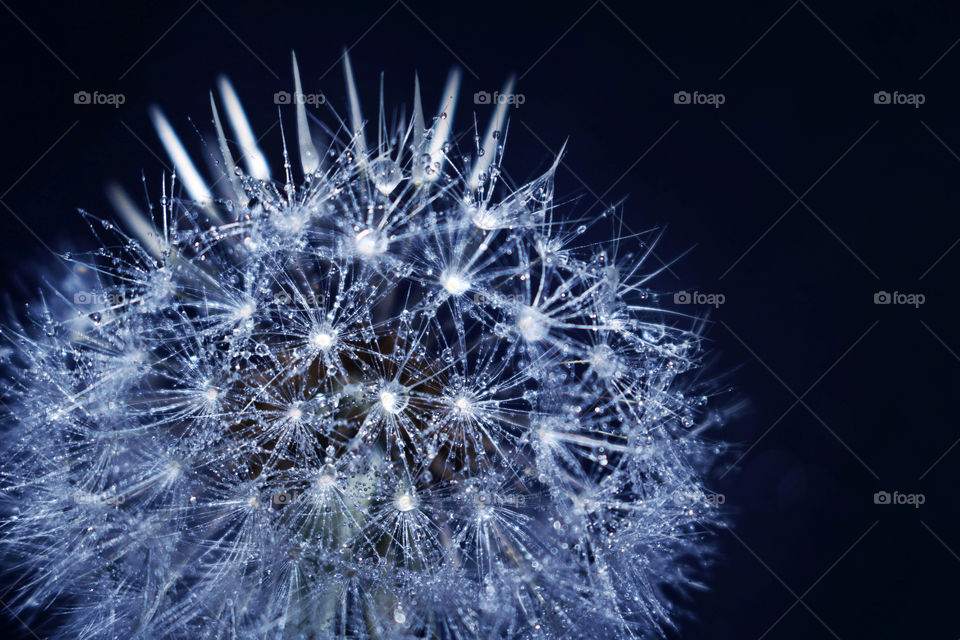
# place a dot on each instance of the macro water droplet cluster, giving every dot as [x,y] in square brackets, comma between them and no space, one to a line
[398,399]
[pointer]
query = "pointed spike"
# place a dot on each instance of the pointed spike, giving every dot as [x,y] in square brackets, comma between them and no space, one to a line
[252,156]
[136,220]
[563,149]
[287,172]
[490,141]
[309,158]
[228,164]
[443,124]
[395,137]
[356,116]
[419,166]
[382,134]
[192,181]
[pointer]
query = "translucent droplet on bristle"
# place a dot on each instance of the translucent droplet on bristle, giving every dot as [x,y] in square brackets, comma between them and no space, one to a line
[386,175]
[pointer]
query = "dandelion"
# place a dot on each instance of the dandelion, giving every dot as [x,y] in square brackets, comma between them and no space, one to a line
[399,398]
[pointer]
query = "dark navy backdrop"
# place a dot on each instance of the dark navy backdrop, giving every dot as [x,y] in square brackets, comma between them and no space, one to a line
[804,193]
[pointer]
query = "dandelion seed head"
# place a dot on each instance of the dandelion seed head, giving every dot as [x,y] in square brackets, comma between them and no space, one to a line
[405,502]
[174,470]
[393,398]
[281,416]
[454,283]
[463,404]
[211,394]
[532,325]
[603,361]
[322,338]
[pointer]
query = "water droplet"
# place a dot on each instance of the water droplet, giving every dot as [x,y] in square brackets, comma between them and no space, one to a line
[386,175]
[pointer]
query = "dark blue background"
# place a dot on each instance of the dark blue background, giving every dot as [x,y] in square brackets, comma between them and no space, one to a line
[799,80]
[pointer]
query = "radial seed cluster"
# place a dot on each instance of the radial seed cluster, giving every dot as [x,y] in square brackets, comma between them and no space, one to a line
[401,398]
